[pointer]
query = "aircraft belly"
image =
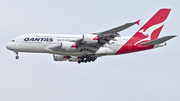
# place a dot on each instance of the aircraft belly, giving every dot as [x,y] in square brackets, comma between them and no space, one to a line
[105,51]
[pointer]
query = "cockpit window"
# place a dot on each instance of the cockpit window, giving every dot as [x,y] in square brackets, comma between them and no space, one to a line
[12,40]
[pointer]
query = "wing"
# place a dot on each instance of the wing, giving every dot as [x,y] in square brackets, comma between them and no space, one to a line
[103,38]
[91,47]
[118,29]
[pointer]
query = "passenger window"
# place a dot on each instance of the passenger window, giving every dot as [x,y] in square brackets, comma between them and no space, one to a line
[12,40]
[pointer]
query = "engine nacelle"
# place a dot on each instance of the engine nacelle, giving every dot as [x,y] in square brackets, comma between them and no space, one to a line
[59,57]
[73,59]
[89,38]
[68,46]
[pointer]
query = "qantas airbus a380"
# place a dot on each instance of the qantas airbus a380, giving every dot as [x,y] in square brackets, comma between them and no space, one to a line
[87,47]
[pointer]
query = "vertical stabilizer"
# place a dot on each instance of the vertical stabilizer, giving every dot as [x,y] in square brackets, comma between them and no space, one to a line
[153,27]
[148,32]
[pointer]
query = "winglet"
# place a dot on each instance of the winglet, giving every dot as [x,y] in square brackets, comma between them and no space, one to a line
[137,22]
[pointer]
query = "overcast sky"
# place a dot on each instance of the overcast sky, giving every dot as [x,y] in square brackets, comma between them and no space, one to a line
[152,75]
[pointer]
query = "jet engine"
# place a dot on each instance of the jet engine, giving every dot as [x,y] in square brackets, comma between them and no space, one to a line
[68,46]
[89,38]
[73,59]
[59,57]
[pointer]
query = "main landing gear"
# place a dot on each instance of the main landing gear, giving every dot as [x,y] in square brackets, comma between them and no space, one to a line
[87,58]
[17,56]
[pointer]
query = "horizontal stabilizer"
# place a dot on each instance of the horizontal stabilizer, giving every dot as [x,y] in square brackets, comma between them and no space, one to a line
[158,41]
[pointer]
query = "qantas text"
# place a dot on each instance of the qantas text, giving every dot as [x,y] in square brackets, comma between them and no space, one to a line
[38,39]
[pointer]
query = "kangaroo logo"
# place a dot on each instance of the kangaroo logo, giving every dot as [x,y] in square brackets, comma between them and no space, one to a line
[149,32]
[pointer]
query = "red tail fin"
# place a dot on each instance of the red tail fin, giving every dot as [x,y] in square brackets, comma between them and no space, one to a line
[152,28]
[149,31]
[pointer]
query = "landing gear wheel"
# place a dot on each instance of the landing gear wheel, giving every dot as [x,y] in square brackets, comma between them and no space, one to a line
[17,57]
[79,61]
[87,58]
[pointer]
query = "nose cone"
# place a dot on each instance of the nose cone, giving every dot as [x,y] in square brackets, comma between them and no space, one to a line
[8,46]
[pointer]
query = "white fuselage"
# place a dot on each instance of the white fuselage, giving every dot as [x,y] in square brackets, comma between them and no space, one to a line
[40,43]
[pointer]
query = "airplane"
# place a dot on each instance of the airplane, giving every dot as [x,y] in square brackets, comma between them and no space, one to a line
[86,48]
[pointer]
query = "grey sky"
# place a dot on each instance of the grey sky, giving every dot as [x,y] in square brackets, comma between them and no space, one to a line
[151,75]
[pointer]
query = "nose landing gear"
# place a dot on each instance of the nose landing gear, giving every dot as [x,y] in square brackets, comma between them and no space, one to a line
[17,56]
